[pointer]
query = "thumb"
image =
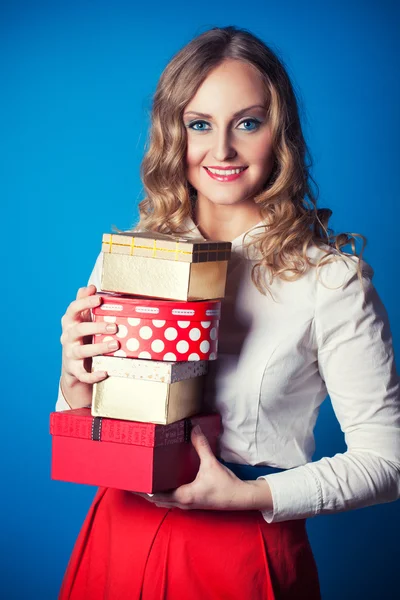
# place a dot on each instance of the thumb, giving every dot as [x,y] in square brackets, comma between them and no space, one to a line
[201,445]
[85,292]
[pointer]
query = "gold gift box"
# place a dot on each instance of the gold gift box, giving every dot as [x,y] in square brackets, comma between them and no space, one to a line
[163,392]
[164,266]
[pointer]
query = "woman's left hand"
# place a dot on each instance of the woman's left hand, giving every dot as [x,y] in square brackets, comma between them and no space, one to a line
[215,486]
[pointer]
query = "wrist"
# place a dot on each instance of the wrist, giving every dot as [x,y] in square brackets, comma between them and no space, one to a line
[67,381]
[75,393]
[261,496]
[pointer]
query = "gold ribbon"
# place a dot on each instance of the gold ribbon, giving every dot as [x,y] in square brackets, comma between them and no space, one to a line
[154,249]
[160,237]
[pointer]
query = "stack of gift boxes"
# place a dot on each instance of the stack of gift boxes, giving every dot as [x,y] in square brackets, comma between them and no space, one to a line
[163,293]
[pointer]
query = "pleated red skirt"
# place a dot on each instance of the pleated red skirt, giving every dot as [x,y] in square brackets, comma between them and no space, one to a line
[129,549]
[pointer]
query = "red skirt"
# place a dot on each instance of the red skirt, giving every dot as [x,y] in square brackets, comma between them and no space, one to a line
[129,549]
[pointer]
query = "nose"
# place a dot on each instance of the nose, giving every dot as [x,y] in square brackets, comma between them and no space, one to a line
[223,148]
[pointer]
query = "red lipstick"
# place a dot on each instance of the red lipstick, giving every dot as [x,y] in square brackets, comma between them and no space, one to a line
[225,178]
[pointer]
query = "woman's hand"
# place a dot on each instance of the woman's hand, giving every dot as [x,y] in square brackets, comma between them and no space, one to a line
[78,350]
[215,487]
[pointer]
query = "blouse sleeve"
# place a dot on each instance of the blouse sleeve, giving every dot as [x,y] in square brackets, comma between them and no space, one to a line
[356,361]
[94,279]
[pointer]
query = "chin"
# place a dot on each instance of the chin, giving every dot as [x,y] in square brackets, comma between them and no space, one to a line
[225,201]
[224,197]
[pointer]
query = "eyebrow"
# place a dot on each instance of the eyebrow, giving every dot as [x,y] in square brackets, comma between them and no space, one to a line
[237,114]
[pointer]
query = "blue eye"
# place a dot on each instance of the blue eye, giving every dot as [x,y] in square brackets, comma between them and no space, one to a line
[255,123]
[201,123]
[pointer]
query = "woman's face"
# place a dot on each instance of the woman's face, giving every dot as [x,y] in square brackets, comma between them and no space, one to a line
[227,130]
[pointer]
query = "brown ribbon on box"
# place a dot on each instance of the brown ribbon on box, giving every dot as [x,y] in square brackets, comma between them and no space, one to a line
[97,423]
[96,429]
[187,430]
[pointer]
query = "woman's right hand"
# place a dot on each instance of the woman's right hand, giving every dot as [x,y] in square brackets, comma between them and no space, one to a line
[78,349]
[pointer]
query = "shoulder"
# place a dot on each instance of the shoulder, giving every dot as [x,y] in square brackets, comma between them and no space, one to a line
[334,270]
[345,298]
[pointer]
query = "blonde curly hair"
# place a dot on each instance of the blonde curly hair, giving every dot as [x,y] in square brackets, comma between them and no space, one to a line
[287,202]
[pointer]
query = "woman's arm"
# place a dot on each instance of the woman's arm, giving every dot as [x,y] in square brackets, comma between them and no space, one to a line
[71,391]
[356,361]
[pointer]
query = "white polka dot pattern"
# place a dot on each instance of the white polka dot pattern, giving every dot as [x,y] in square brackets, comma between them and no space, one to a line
[205,346]
[109,319]
[195,334]
[122,331]
[182,346]
[145,332]
[171,333]
[132,344]
[159,339]
[157,346]
[158,323]
[133,321]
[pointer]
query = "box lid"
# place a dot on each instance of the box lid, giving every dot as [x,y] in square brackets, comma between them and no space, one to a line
[150,308]
[167,247]
[79,423]
[151,370]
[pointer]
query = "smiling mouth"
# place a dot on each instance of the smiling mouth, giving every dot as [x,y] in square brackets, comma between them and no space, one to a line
[225,175]
[225,170]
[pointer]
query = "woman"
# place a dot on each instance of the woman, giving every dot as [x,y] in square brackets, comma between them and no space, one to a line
[227,160]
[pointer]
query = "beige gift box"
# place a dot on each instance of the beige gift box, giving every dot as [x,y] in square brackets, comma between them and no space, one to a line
[164,266]
[148,391]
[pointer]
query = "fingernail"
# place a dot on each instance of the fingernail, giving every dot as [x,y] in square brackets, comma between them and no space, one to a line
[101,374]
[113,345]
[112,328]
[197,430]
[95,300]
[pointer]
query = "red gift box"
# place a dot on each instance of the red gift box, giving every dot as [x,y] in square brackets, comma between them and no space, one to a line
[127,455]
[161,329]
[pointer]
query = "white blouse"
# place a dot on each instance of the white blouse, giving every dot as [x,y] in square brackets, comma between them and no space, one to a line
[278,358]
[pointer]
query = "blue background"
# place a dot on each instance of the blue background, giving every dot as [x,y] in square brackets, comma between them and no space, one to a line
[76,86]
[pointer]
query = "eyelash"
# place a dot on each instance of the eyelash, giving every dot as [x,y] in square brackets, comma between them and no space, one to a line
[252,120]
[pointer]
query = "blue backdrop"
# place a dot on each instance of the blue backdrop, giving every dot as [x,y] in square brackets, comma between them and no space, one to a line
[76,86]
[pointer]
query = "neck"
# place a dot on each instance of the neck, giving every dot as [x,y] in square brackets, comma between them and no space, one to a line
[225,222]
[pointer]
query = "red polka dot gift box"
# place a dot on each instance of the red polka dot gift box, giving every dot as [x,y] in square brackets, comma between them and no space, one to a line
[164,266]
[145,390]
[140,457]
[161,330]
